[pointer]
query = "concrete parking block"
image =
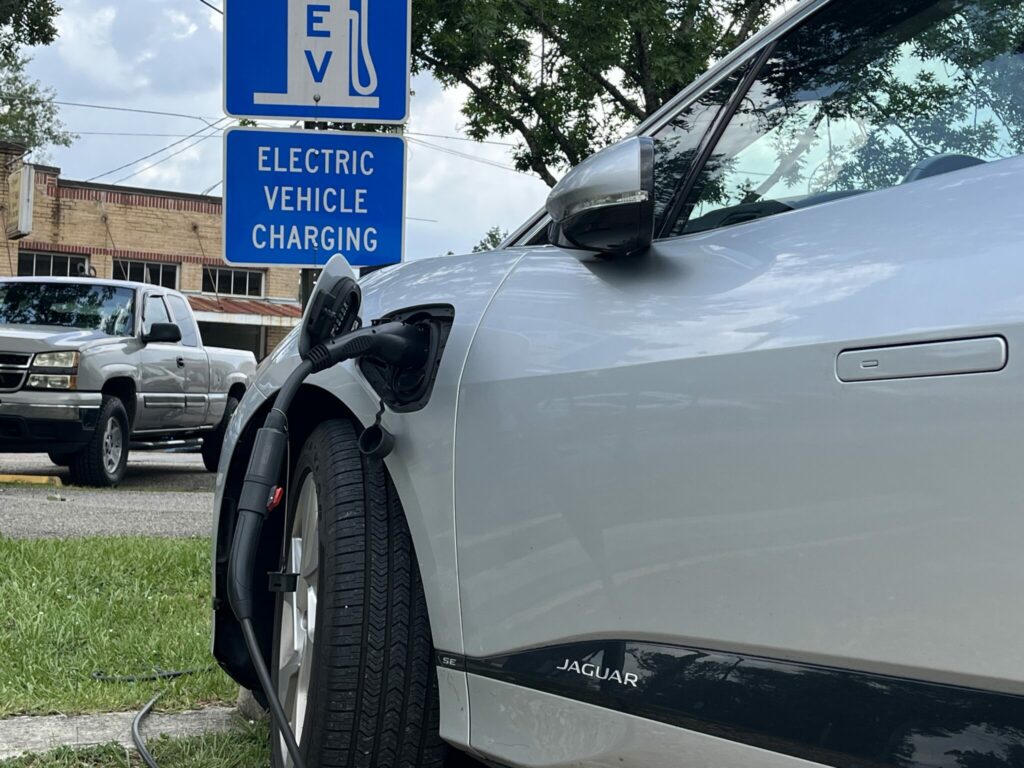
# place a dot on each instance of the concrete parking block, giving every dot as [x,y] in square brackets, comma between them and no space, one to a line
[19,735]
[30,480]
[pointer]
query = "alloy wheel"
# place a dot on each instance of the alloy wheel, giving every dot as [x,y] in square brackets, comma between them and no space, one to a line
[113,445]
[298,613]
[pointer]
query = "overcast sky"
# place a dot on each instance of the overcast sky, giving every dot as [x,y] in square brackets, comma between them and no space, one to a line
[165,55]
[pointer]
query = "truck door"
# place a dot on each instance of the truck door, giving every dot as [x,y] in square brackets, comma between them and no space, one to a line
[162,375]
[197,364]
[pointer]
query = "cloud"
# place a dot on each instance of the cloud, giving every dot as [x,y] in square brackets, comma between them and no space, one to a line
[86,47]
[180,25]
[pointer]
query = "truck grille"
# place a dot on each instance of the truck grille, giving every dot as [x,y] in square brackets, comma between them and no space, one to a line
[13,369]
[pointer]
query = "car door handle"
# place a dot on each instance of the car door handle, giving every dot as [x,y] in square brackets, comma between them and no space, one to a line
[939,358]
[181,362]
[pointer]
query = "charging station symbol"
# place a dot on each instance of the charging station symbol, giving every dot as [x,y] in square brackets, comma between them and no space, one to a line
[328,57]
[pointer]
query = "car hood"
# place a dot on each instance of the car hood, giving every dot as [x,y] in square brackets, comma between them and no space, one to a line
[45,338]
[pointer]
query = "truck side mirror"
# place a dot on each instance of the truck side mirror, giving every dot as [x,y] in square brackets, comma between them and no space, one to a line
[168,333]
[333,308]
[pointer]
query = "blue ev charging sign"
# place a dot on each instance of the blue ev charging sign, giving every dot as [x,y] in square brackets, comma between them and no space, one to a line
[296,198]
[332,60]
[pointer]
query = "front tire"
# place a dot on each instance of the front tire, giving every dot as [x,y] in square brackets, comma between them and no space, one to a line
[352,653]
[103,460]
[213,443]
[61,459]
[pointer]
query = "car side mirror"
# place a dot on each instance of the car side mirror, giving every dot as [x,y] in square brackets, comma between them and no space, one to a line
[606,203]
[333,308]
[169,333]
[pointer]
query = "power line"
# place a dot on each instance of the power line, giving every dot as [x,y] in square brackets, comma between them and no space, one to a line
[130,133]
[128,109]
[460,138]
[475,159]
[165,159]
[157,152]
[9,97]
[185,135]
[212,6]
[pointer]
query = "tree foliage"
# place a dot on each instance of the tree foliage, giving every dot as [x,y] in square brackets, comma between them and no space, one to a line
[570,76]
[27,113]
[494,237]
[26,23]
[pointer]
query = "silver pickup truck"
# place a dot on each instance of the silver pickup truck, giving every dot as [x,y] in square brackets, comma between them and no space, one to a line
[88,366]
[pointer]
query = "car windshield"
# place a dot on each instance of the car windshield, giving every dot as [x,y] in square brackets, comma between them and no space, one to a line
[106,308]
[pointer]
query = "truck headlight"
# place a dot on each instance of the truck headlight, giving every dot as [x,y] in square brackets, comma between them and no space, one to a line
[62,360]
[50,381]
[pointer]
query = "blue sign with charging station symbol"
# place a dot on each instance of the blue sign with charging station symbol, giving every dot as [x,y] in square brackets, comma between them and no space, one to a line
[296,198]
[331,60]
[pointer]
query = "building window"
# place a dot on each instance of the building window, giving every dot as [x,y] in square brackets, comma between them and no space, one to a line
[52,265]
[236,282]
[164,275]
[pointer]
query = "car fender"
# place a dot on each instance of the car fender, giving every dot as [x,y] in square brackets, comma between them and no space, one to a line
[100,364]
[421,465]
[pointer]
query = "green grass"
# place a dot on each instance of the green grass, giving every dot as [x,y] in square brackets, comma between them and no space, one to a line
[246,747]
[118,605]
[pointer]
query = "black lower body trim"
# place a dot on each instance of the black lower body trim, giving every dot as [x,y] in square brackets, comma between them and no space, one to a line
[834,716]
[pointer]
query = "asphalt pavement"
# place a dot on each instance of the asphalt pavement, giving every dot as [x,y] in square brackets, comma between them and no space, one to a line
[163,494]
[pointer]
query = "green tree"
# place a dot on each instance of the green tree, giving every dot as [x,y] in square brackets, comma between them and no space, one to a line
[26,22]
[570,76]
[494,237]
[27,112]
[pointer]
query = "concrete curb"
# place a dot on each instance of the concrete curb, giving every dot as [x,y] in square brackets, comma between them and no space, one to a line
[19,735]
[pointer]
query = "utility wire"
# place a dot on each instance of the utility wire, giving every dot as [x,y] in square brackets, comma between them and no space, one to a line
[8,97]
[128,109]
[212,6]
[153,154]
[185,136]
[474,158]
[165,159]
[460,138]
[131,133]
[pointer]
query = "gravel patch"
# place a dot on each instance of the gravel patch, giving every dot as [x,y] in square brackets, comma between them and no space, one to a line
[147,470]
[36,512]
[163,494]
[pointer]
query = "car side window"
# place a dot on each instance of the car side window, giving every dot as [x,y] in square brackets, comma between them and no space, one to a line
[156,312]
[865,96]
[183,317]
[677,144]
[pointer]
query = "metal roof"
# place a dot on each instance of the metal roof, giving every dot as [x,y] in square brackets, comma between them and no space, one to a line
[240,306]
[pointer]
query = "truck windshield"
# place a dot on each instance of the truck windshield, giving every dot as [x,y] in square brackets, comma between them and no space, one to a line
[105,308]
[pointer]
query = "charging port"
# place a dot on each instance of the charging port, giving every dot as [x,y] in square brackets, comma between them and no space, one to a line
[408,389]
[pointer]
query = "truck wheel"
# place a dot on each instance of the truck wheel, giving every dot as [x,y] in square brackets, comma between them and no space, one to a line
[214,441]
[61,459]
[352,652]
[103,460]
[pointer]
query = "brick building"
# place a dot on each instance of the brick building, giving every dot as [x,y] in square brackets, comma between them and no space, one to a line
[55,226]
